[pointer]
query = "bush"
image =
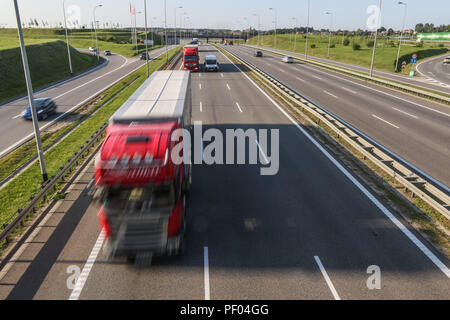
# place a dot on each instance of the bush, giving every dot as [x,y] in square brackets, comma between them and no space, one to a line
[440,45]
[391,43]
[346,42]
[332,45]
[356,46]
[370,43]
[313,46]
[419,44]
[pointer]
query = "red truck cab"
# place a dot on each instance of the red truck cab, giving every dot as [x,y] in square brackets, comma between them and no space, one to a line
[140,189]
[191,58]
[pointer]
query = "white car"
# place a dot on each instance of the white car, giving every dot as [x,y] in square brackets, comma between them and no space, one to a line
[92,49]
[287,59]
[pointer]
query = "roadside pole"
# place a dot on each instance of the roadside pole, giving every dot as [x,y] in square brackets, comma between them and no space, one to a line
[30,96]
[375,43]
[165,29]
[67,39]
[146,45]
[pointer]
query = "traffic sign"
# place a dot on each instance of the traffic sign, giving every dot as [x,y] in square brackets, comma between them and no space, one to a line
[413,60]
[403,64]
[414,56]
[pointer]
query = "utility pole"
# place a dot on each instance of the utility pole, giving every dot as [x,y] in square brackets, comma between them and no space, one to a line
[30,96]
[175,22]
[295,34]
[146,45]
[307,30]
[67,39]
[401,33]
[165,29]
[95,31]
[375,42]
[259,27]
[329,32]
[275,39]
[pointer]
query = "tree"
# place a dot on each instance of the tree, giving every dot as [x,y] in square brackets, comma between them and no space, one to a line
[36,23]
[390,32]
[419,27]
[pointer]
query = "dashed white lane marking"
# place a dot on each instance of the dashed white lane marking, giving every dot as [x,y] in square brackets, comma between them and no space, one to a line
[201,107]
[330,94]
[228,86]
[300,79]
[381,119]
[239,107]
[18,116]
[87,267]
[200,86]
[282,70]
[409,114]
[327,278]
[262,152]
[221,74]
[349,90]
[206,273]
[316,77]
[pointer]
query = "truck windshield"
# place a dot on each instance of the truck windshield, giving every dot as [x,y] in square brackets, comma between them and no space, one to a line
[190,58]
[210,61]
[140,200]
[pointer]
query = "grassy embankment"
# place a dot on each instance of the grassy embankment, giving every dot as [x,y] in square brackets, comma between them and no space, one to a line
[386,51]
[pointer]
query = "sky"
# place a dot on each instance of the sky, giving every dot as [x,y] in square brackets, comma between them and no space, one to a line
[236,14]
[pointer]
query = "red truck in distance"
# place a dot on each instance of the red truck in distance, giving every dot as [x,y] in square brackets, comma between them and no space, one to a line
[141,191]
[190,58]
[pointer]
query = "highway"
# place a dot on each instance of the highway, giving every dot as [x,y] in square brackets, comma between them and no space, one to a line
[435,71]
[68,95]
[414,128]
[441,84]
[309,232]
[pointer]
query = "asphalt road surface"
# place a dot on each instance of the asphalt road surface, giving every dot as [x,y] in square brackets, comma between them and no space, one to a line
[309,232]
[416,129]
[429,82]
[67,95]
[435,71]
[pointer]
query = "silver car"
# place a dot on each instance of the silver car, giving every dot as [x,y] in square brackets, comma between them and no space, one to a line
[287,59]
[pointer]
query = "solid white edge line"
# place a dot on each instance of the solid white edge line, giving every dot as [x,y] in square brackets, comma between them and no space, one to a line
[327,278]
[206,273]
[75,295]
[70,110]
[427,252]
[239,107]
[381,119]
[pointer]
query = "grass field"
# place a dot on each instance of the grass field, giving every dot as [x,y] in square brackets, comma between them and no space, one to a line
[47,61]
[386,51]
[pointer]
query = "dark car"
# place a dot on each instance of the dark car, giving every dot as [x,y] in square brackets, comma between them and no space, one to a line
[258,54]
[107,53]
[144,56]
[44,108]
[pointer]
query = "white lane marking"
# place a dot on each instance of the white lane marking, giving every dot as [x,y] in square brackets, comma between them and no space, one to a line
[181,66]
[268,64]
[262,152]
[300,79]
[201,107]
[15,117]
[431,73]
[282,70]
[200,86]
[221,74]
[327,278]
[427,252]
[330,94]
[239,107]
[409,114]
[382,92]
[228,86]
[381,119]
[206,273]
[87,267]
[349,90]
[316,77]
[29,136]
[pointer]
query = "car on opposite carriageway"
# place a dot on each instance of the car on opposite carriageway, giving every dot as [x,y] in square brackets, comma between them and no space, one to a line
[44,108]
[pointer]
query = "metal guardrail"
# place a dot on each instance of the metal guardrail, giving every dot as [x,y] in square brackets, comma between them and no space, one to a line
[392,84]
[421,187]
[22,213]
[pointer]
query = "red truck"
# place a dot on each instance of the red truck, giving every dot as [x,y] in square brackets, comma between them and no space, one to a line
[190,57]
[141,190]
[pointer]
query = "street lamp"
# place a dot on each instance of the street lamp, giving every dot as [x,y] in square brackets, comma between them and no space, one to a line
[67,39]
[375,41]
[146,44]
[95,31]
[295,34]
[275,11]
[175,14]
[401,33]
[165,29]
[329,31]
[307,30]
[30,96]
[135,29]
[259,26]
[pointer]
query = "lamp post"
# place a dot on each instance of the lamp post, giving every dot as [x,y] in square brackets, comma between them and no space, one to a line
[259,27]
[175,22]
[307,30]
[401,33]
[95,31]
[67,39]
[375,42]
[295,34]
[146,45]
[329,31]
[30,96]
[275,11]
